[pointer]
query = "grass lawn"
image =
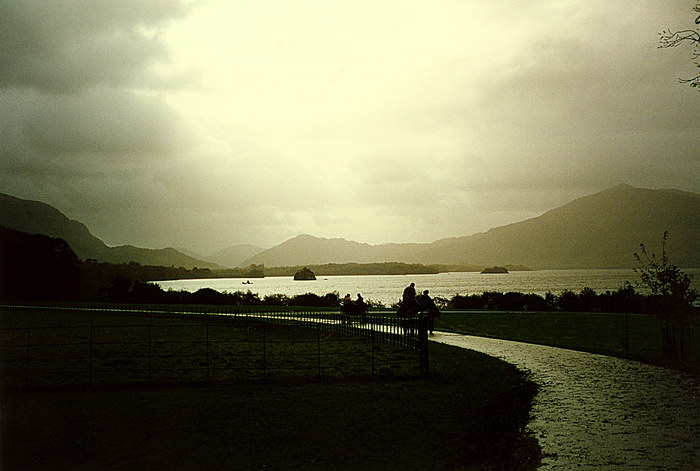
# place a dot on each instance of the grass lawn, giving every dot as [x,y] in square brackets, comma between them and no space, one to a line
[593,332]
[469,414]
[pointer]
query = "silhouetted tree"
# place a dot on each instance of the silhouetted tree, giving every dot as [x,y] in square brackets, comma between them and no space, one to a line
[671,292]
[668,38]
[568,301]
[314,300]
[276,300]
[625,299]
[35,267]
[588,301]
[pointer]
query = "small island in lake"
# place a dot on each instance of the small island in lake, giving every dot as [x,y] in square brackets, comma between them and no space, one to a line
[494,270]
[304,275]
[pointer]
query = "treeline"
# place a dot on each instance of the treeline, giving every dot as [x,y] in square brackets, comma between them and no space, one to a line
[328,269]
[624,299]
[146,293]
[378,268]
[158,273]
[384,268]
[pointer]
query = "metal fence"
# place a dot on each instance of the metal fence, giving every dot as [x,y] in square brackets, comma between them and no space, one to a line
[208,343]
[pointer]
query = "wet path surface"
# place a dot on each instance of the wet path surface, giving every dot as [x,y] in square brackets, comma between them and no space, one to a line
[598,412]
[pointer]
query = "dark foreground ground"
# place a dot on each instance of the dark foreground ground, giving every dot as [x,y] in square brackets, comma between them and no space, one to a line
[470,414]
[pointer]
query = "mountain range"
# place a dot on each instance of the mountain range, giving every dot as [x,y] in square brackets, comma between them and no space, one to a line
[602,230]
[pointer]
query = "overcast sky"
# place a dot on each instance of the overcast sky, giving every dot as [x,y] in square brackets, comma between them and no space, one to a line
[207,124]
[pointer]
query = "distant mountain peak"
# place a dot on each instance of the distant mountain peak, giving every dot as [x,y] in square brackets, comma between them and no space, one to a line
[601,230]
[623,186]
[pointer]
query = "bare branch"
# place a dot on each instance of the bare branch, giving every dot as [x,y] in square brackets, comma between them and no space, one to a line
[675,38]
[670,38]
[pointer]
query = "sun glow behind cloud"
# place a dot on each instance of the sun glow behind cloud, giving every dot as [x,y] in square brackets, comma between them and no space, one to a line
[355,102]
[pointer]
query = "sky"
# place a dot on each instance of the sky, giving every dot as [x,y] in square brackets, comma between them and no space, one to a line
[206,124]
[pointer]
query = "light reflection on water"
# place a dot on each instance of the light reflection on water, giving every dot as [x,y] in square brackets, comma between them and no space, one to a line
[387,289]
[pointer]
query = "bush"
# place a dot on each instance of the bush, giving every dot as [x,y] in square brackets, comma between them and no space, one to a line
[314,300]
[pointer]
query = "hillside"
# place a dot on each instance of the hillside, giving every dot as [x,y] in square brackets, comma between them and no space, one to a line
[234,256]
[597,231]
[34,217]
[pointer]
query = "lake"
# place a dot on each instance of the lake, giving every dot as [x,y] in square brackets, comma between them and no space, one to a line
[387,289]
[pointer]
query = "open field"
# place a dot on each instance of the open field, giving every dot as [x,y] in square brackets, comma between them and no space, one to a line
[634,336]
[41,347]
[469,414]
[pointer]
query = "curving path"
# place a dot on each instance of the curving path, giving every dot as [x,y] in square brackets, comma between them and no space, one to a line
[598,412]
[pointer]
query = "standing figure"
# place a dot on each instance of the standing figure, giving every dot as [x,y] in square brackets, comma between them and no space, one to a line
[346,309]
[408,308]
[409,300]
[361,308]
[427,305]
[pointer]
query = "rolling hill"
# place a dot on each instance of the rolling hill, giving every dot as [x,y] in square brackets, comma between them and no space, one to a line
[34,217]
[602,230]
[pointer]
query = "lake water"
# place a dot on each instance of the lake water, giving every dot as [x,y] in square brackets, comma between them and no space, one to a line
[387,289]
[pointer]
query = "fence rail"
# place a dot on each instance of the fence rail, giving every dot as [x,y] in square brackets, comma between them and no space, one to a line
[207,344]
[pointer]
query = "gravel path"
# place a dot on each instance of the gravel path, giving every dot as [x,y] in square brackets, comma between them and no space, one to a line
[599,412]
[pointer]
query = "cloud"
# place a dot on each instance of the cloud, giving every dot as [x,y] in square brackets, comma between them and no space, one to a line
[590,111]
[93,126]
[68,46]
[204,124]
[83,120]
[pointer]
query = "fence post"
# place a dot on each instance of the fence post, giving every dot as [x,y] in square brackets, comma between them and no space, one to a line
[372,337]
[207,326]
[27,362]
[150,372]
[90,349]
[318,347]
[423,345]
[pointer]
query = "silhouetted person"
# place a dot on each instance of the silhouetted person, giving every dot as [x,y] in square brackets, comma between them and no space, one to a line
[346,309]
[427,305]
[361,307]
[408,308]
[409,299]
